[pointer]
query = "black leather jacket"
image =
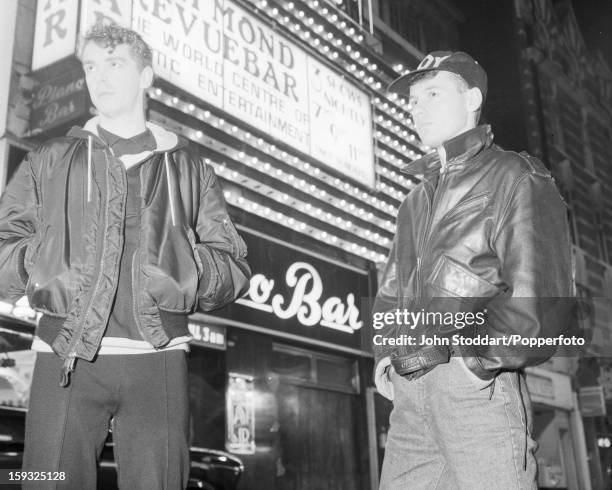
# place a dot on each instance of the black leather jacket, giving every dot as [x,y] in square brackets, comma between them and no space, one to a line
[489,232]
[61,238]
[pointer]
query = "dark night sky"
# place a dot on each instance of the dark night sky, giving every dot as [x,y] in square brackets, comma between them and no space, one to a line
[595,20]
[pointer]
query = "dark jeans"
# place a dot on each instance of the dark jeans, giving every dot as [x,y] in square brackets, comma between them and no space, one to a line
[147,397]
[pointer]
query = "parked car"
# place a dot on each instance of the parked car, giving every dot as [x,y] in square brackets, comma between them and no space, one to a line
[210,469]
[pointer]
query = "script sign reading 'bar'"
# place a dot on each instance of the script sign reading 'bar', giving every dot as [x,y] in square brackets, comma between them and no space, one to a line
[300,293]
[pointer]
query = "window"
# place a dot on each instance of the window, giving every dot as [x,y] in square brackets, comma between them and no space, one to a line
[422,24]
[305,367]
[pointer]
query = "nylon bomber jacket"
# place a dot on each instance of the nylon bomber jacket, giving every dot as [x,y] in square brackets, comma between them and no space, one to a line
[61,238]
[488,232]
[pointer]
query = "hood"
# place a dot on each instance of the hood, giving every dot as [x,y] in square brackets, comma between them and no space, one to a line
[166,140]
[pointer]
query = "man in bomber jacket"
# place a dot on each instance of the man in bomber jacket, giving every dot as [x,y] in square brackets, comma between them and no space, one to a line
[116,233]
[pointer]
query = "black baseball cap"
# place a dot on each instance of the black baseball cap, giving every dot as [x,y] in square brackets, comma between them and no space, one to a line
[457,62]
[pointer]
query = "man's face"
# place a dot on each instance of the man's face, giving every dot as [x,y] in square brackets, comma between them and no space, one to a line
[440,108]
[114,78]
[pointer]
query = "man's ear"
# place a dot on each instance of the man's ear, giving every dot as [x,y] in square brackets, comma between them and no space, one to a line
[146,77]
[474,99]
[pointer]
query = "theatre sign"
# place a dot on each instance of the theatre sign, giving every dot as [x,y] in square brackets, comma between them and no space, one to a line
[225,56]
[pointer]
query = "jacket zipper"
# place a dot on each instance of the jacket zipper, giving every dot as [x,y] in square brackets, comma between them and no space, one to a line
[69,363]
[425,236]
[135,289]
[89,151]
[136,259]
[465,204]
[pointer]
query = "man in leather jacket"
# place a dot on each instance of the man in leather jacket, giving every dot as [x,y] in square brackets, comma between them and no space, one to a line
[480,262]
[116,233]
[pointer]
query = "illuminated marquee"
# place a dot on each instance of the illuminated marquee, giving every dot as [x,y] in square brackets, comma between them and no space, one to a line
[225,56]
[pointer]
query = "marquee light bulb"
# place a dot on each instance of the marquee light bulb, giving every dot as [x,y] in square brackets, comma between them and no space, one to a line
[231,128]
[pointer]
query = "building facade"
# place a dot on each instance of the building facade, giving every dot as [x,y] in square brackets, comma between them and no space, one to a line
[551,95]
[287,101]
[289,106]
[568,91]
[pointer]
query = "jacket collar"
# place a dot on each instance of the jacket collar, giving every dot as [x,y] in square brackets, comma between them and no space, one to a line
[165,140]
[459,149]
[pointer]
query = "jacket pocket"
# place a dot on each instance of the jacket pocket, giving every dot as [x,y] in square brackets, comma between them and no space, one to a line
[469,375]
[33,250]
[196,254]
[470,204]
[454,279]
[170,274]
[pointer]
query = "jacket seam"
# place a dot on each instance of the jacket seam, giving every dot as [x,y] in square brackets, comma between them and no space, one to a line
[172,310]
[96,284]
[506,208]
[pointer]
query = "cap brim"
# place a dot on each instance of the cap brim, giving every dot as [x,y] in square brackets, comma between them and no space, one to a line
[402,84]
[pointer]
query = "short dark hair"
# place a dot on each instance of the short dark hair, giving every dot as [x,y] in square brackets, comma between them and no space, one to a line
[111,35]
